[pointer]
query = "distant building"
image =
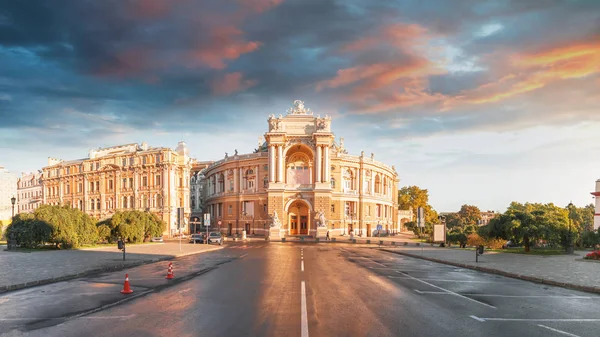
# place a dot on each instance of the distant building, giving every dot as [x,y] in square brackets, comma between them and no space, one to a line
[29,192]
[405,216]
[197,194]
[597,212]
[8,189]
[486,217]
[301,174]
[125,177]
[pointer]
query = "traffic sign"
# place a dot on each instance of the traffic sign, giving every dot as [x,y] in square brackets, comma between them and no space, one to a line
[207,220]
[379,227]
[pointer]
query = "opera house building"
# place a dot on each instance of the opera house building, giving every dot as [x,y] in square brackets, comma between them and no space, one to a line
[301,176]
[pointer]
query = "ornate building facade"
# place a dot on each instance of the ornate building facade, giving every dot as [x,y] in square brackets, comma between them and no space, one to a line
[299,171]
[29,192]
[125,177]
[8,189]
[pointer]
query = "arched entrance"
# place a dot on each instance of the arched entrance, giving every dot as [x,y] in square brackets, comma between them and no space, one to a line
[298,213]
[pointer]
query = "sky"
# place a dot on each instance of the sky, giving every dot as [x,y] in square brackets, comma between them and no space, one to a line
[480,102]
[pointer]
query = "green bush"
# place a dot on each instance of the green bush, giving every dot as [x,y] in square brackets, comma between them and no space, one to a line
[28,231]
[104,233]
[134,226]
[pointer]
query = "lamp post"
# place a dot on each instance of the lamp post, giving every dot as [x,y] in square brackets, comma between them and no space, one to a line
[13,200]
[570,240]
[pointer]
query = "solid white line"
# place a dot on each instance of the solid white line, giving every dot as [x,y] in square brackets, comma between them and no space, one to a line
[304,319]
[444,280]
[241,256]
[301,257]
[82,317]
[448,291]
[482,319]
[556,330]
[511,296]
[301,265]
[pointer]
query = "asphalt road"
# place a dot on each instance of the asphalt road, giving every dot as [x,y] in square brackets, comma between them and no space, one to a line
[294,289]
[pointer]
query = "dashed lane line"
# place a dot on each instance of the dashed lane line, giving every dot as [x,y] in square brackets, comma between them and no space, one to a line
[513,296]
[301,265]
[503,319]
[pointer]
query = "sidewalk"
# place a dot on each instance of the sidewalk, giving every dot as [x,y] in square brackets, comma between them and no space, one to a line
[51,304]
[27,269]
[568,271]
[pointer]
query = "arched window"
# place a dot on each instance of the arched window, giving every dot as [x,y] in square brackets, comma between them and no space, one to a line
[348,179]
[298,169]
[124,202]
[131,202]
[221,183]
[159,201]
[377,184]
[385,185]
[332,182]
[98,204]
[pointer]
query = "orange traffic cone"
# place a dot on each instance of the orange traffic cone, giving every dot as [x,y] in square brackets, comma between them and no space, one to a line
[126,288]
[170,274]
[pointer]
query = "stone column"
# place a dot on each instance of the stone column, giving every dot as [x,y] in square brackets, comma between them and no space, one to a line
[241,179]
[271,163]
[318,164]
[279,163]
[326,165]
[236,187]
[257,180]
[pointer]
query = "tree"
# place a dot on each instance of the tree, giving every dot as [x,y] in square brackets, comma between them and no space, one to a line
[412,197]
[134,226]
[470,214]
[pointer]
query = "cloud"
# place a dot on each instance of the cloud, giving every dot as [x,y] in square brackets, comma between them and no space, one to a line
[230,83]
[224,43]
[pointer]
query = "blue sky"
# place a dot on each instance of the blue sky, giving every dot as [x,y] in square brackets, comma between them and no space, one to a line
[480,102]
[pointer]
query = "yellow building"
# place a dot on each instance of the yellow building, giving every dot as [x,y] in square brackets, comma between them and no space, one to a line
[125,177]
[298,172]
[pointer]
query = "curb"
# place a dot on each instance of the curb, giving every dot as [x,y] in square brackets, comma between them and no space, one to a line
[540,280]
[13,287]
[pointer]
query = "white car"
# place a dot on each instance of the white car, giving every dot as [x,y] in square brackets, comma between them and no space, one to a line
[215,237]
[157,239]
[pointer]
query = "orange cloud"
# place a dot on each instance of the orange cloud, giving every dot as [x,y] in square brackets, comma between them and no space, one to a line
[150,8]
[230,83]
[535,71]
[225,43]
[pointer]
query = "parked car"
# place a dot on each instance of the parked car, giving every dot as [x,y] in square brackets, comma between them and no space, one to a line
[196,238]
[215,237]
[157,239]
[508,244]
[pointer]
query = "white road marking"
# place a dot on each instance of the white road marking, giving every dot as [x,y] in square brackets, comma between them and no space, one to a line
[184,290]
[511,296]
[477,318]
[301,265]
[81,317]
[556,330]
[448,291]
[301,257]
[444,280]
[304,318]
[241,256]
[484,319]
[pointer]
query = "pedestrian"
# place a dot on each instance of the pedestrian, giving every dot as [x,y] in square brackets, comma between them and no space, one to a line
[327,237]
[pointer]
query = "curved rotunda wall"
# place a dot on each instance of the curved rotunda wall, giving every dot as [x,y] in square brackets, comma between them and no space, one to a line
[354,192]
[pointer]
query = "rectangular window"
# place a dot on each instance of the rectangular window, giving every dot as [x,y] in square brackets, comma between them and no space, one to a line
[91,186]
[332,208]
[157,180]
[220,209]
[130,182]
[80,188]
[180,182]
[68,189]
[97,186]
[144,160]
[110,184]
[250,183]
[230,210]
[131,161]
[145,181]
[124,183]
[124,162]
[91,167]
[97,165]
[158,157]
[68,169]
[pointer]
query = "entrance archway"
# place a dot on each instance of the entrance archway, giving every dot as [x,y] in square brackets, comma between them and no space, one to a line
[298,212]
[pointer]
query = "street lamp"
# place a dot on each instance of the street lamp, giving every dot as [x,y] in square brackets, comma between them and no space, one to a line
[13,200]
[570,240]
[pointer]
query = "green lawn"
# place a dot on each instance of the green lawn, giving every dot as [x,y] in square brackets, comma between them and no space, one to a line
[521,250]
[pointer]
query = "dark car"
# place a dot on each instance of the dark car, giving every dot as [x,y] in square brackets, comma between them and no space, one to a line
[508,244]
[197,238]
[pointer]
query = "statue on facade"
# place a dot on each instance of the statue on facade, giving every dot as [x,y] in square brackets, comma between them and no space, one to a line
[235,152]
[226,155]
[322,222]
[276,222]
[372,155]
[298,108]
[362,153]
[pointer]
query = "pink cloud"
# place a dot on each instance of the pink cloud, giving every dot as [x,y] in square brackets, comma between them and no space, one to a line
[230,83]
